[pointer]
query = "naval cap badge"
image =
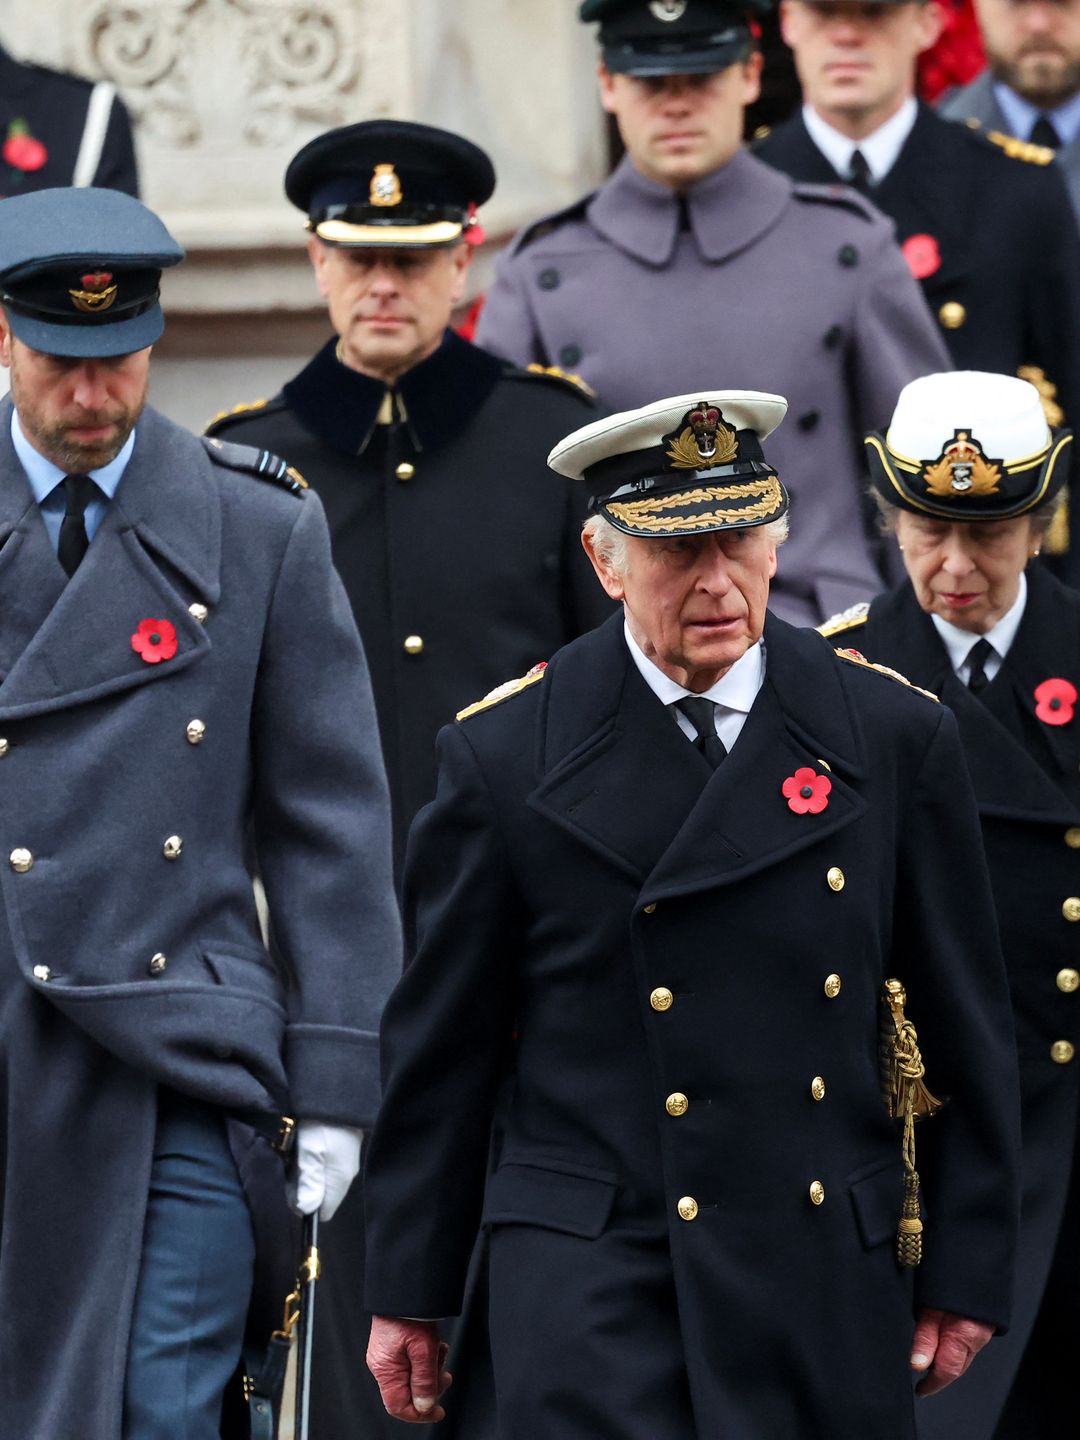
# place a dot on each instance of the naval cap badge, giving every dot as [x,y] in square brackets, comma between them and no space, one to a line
[962,469]
[703,440]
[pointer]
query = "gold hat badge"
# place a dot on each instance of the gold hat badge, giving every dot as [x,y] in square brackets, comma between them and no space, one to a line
[385,186]
[962,469]
[704,440]
[97,293]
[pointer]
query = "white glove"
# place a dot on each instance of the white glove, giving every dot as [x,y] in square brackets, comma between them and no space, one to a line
[327,1160]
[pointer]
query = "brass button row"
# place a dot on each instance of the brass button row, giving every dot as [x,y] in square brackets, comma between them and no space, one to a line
[689,1209]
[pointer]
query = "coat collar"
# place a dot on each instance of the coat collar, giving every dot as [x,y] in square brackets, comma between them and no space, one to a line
[441,395]
[64,642]
[729,210]
[618,774]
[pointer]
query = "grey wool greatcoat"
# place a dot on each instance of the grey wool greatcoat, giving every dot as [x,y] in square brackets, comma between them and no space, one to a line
[778,286]
[1027,783]
[130,953]
[663,958]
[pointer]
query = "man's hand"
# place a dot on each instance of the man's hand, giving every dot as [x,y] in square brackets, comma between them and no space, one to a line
[407,1358]
[943,1348]
[327,1160]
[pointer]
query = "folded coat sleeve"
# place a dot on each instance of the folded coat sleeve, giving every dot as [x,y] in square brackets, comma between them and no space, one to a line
[322,832]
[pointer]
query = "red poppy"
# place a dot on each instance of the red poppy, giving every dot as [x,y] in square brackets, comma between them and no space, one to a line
[21,151]
[806,791]
[1055,701]
[922,255]
[154,640]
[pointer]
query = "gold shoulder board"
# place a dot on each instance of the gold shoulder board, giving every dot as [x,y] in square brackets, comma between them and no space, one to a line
[504,691]
[244,408]
[556,374]
[855,657]
[1021,149]
[846,619]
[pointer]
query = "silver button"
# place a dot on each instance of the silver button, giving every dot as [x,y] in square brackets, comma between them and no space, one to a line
[4,748]
[21,860]
[172,848]
[198,612]
[158,964]
[42,973]
[195,731]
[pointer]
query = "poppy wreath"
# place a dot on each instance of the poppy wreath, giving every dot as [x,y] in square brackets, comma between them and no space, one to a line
[154,641]
[806,791]
[1055,701]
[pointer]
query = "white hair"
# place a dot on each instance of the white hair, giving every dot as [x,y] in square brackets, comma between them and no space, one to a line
[610,548]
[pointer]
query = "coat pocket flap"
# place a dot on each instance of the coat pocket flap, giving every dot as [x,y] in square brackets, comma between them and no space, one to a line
[877,1194]
[576,1204]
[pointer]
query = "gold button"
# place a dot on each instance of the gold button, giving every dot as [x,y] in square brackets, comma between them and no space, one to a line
[952,314]
[172,847]
[661,998]
[1071,908]
[817,1192]
[835,877]
[21,860]
[405,471]
[648,909]
[42,972]
[414,644]
[1062,1051]
[158,963]
[1068,980]
[817,1088]
[5,747]
[198,612]
[832,986]
[688,1208]
[1072,835]
[677,1104]
[195,731]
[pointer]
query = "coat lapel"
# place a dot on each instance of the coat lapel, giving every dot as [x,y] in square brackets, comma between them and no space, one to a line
[31,578]
[157,549]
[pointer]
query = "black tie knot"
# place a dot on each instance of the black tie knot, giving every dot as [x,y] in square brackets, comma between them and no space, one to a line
[702,716]
[79,490]
[977,657]
[859,176]
[1044,133]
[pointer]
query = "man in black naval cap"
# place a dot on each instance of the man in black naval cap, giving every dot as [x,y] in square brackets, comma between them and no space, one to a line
[461,559]
[183,700]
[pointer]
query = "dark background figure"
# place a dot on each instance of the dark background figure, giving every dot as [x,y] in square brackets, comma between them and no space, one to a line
[460,554]
[685,255]
[999,640]
[183,699]
[687,918]
[965,209]
[56,129]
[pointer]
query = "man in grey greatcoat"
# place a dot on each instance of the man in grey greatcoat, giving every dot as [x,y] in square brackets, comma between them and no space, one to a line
[697,256]
[183,701]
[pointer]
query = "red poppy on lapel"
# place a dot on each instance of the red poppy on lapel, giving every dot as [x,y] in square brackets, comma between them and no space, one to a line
[154,640]
[1055,700]
[922,255]
[21,150]
[806,791]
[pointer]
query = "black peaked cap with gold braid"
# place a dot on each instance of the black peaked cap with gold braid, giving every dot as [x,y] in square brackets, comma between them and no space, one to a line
[684,466]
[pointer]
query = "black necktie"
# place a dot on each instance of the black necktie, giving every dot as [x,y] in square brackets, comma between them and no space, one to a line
[978,655]
[683,207]
[701,712]
[1043,133]
[80,490]
[859,176]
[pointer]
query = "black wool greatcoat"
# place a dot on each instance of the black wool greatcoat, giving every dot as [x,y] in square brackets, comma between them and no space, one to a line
[130,952]
[1027,784]
[654,932]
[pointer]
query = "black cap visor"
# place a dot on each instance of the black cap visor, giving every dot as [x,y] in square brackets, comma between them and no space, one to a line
[999,492]
[702,54]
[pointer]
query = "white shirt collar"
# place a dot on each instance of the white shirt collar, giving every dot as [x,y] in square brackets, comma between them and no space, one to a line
[879,149]
[959,642]
[736,689]
[44,476]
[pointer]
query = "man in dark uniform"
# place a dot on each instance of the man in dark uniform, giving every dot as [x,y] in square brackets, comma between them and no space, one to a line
[699,249]
[965,209]
[57,129]
[183,698]
[663,882]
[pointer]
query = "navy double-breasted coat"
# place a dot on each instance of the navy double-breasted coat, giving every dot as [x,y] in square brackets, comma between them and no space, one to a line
[136,801]
[680,956]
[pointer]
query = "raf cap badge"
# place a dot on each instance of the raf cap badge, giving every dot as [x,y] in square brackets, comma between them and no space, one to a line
[385,188]
[703,440]
[962,469]
[97,293]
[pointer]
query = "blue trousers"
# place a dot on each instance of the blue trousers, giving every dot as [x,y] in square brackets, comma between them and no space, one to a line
[195,1281]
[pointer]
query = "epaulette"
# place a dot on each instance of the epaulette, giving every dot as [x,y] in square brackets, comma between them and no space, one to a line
[855,657]
[246,407]
[837,194]
[845,619]
[546,223]
[503,692]
[564,378]
[1020,149]
[251,461]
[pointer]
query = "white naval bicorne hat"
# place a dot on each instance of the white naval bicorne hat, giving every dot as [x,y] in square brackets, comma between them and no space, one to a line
[683,466]
[968,445]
